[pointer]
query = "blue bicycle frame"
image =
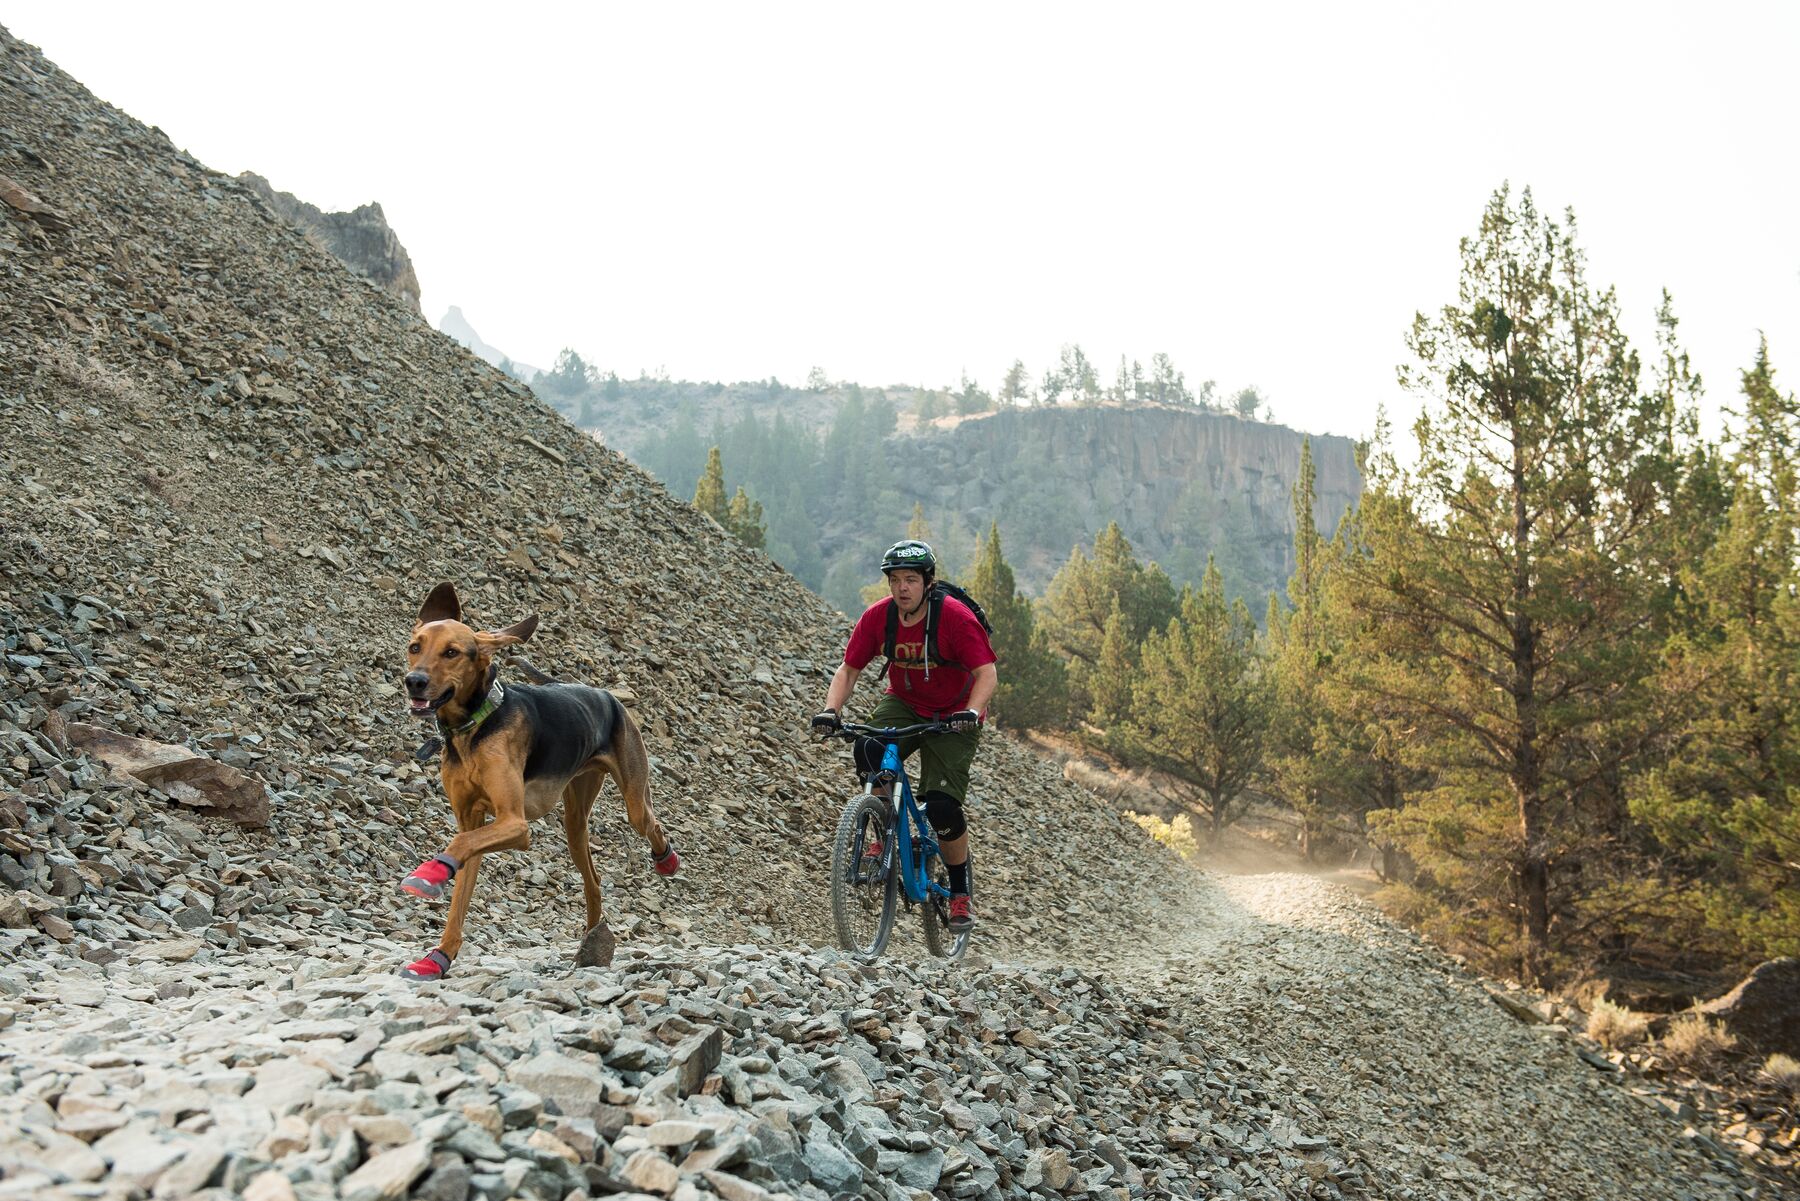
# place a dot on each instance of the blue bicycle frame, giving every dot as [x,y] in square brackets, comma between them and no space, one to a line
[914,850]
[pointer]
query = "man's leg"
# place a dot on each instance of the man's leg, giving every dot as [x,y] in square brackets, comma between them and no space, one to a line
[944,763]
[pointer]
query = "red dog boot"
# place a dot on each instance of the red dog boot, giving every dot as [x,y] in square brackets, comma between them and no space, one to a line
[669,863]
[431,967]
[428,879]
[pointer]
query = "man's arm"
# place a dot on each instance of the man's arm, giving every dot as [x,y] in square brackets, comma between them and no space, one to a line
[843,684]
[981,687]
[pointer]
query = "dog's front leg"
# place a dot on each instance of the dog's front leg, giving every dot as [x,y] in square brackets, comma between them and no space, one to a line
[501,794]
[460,897]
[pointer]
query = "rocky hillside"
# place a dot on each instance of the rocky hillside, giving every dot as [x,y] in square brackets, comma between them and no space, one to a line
[361,239]
[235,469]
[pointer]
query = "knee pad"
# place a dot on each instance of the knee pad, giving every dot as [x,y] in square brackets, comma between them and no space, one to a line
[945,813]
[868,753]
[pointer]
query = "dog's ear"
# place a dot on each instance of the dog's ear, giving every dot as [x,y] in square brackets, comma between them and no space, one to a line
[492,640]
[441,605]
[521,630]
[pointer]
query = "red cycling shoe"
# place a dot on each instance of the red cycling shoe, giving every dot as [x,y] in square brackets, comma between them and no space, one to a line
[962,914]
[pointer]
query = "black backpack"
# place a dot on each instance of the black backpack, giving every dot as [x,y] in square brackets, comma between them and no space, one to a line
[934,600]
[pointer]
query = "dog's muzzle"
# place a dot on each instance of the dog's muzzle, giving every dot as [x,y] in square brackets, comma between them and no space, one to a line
[418,702]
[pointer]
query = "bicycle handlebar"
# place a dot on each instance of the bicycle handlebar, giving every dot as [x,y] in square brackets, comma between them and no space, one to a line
[850,729]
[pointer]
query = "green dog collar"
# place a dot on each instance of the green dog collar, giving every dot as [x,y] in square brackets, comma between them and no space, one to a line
[495,698]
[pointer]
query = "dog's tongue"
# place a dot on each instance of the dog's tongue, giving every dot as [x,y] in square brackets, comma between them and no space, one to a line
[420,705]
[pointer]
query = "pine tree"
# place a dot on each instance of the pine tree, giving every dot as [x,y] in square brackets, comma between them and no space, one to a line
[1113,672]
[1727,800]
[709,493]
[1015,389]
[1032,690]
[1200,705]
[1080,598]
[1297,654]
[744,518]
[1497,588]
[918,528]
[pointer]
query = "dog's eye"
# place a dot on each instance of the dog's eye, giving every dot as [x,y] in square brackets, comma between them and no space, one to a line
[450,652]
[413,649]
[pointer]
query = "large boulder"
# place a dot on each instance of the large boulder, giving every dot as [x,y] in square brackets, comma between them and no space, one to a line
[185,776]
[1764,1009]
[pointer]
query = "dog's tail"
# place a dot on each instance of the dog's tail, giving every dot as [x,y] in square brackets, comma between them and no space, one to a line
[532,673]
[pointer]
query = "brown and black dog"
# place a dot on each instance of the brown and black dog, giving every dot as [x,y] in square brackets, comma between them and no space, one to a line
[509,754]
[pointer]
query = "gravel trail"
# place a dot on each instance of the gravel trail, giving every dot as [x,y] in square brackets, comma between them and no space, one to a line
[1438,1088]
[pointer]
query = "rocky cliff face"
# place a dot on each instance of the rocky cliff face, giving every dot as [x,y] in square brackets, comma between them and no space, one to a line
[1180,484]
[361,239]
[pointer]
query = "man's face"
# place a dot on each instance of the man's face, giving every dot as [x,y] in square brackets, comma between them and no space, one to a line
[907,587]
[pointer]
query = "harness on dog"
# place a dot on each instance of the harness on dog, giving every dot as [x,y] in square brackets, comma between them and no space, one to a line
[431,746]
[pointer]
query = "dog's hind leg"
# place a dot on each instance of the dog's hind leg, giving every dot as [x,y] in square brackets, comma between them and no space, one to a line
[578,802]
[629,764]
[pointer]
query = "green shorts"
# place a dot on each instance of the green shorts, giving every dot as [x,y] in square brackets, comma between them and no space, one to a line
[944,759]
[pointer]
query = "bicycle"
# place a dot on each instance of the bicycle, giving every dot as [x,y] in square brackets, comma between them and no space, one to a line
[883,846]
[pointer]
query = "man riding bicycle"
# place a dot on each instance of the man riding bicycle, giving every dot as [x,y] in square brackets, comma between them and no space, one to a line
[952,683]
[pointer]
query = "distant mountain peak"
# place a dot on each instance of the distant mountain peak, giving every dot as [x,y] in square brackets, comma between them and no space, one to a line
[457,326]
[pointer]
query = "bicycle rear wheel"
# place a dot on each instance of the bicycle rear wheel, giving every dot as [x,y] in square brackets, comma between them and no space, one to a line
[938,938]
[864,884]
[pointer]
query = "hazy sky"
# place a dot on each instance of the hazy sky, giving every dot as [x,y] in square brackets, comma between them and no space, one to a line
[901,193]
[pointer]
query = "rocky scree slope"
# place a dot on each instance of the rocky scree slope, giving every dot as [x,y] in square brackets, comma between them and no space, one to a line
[235,469]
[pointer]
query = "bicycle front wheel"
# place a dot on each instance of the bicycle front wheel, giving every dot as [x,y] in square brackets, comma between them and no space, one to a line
[939,939]
[864,885]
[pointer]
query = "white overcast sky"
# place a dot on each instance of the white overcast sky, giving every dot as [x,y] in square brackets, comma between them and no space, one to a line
[900,193]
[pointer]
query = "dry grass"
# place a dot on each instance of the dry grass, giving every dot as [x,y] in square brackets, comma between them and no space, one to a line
[1694,1043]
[1614,1026]
[1783,1071]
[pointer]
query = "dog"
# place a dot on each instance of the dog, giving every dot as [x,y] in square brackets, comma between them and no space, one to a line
[509,754]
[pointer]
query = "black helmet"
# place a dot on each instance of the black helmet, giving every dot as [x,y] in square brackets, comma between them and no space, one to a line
[911,554]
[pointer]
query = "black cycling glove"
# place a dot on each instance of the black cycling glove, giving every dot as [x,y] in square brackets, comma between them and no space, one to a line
[827,722]
[964,720]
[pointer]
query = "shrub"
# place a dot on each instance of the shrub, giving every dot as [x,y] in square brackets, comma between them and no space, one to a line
[1783,1071]
[1177,835]
[1614,1026]
[1693,1042]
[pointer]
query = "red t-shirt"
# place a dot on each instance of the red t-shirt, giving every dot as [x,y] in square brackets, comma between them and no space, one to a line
[944,688]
